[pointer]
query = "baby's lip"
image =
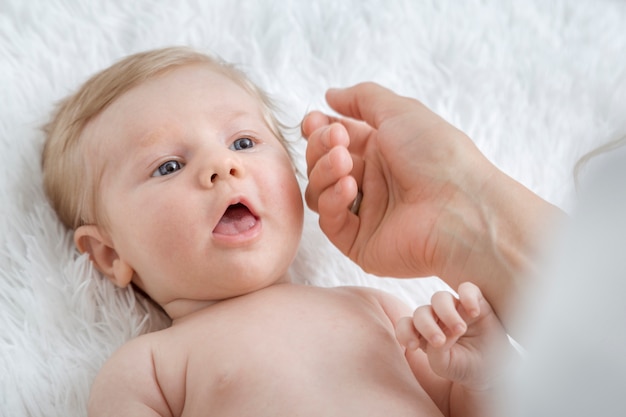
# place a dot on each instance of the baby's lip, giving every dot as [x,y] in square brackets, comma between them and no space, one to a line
[238,219]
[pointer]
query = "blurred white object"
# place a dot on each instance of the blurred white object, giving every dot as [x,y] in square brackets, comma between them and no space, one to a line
[576,324]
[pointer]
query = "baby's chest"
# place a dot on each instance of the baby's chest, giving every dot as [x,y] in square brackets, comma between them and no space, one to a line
[275,355]
[289,336]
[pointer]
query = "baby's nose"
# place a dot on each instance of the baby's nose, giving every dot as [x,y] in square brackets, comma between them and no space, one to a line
[222,170]
[232,172]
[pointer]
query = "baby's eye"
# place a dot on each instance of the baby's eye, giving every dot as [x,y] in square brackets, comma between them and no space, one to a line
[168,168]
[241,144]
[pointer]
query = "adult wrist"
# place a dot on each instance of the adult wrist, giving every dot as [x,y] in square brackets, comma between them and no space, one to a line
[498,236]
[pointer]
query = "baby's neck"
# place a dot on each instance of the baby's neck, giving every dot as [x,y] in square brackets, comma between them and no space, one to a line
[180,308]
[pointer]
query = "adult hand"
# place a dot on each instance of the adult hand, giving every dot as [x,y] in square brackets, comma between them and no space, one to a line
[432,203]
[412,169]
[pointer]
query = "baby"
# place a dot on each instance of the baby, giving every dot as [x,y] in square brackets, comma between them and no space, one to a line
[173,173]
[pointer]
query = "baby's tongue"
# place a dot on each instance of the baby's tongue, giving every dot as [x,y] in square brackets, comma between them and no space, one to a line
[237,219]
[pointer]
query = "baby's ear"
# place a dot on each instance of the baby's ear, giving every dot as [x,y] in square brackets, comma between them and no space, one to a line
[92,240]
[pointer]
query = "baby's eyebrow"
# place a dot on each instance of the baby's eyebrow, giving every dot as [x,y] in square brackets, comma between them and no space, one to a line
[247,113]
[153,137]
[237,114]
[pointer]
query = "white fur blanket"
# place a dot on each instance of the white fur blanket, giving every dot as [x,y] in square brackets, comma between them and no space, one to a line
[536,83]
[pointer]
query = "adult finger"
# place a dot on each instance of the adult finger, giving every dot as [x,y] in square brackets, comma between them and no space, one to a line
[313,121]
[367,101]
[322,140]
[329,169]
[335,219]
[359,132]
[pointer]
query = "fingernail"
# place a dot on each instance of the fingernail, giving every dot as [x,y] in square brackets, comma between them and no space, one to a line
[334,90]
[356,204]
[338,188]
[413,345]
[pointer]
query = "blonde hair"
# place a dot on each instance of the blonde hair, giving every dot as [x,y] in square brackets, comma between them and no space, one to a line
[69,182]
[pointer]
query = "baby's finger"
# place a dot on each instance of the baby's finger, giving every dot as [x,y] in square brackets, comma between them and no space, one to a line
[406,334]
[445,307]
[426,324]
[470,298]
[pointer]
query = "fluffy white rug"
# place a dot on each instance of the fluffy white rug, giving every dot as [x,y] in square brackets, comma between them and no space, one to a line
[535,83]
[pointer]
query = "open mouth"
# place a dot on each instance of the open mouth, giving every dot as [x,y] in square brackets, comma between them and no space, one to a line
[236,219]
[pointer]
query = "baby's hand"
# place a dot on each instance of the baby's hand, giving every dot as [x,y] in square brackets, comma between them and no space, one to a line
[458,335]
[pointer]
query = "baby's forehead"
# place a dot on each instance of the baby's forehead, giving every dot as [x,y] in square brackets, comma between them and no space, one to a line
[200,82]
[161,105]
[209,85]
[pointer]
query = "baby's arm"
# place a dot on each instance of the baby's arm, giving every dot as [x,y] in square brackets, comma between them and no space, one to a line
[463,340]
[127,386]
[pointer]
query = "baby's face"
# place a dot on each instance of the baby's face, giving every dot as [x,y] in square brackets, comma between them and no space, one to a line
[200,198]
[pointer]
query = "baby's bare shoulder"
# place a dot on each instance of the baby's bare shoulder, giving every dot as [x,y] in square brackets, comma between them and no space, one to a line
[127,383]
